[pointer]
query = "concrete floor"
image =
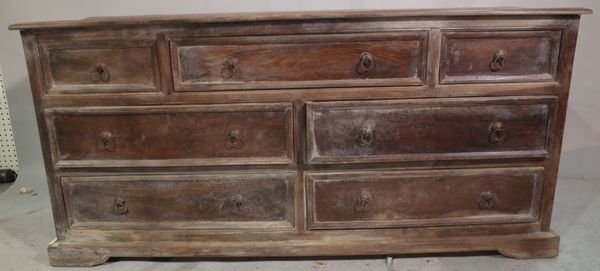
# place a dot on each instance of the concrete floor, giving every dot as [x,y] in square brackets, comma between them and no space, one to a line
[26,228]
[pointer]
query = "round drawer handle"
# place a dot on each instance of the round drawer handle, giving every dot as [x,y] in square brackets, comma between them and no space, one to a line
[361,204]
[365,64]
[237,204]
[233,140]
[365,136]
[101,73]
[120,206]
[497,133]
[497,62]
[108,141]
[486,200]
[230,68]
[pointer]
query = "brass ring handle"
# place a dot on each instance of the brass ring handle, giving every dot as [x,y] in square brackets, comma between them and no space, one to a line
[230,68]
[101,72]
[362,203]
[365,64]
[497,133]
[237,204]
[486,200]
[498,59]
[120,206]
[233,140]
[107,140]
[365,137]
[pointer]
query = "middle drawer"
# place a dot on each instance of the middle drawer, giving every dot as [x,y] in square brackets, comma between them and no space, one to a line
[190,135]
[428,129]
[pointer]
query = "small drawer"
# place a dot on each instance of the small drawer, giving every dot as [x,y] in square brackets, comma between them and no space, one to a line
[428,129]
[100,66]
[181,201]
[499,56]
[189,135]
[387,199]
[373,59]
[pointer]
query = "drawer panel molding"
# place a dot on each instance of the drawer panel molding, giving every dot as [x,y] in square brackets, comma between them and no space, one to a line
[428,129]
[216,201]
[383,199]
[190,135]
[336,60]
[499,56]
[86,67]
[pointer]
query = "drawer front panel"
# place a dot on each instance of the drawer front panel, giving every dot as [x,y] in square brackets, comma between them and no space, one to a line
[172,135]
[428,198]
[519,56]
[181,201]
[100,66]
[372,59]
[434,129]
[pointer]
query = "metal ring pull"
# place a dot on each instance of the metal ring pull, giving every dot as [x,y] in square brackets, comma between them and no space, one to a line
[362,203]
[486,200]
[497,133]
[365,137]
[237,204]
[120,206]
[233,140]
[498,59]
[107,140]
[365,64]
[101,73]
[230,68]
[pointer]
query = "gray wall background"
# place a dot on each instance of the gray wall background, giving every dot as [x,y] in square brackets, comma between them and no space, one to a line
[581,148]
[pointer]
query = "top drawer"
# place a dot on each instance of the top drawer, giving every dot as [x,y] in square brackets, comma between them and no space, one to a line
[499,56]
[367,59]
[100,66]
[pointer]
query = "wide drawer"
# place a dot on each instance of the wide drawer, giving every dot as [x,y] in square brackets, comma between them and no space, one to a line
[300,61]
[246,200]
[191,135]
[499,56]
[100,66]
[382,199]
[428,129]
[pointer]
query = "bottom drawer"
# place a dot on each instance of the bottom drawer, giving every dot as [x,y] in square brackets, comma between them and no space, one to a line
[385,199]
[181,201]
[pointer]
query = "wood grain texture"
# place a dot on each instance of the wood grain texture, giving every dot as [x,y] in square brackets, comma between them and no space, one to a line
[338,200]
[125,136]
[526,245]
[340,133]
[526,56]
[397,58]
[566,59]
[100,66]
[426,129]
[181,201]
[36,83]
[297,16]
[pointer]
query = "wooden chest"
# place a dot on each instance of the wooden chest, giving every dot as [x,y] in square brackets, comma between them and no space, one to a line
[302,134]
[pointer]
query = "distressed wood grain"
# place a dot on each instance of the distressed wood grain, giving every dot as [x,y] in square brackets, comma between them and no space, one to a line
[329,133]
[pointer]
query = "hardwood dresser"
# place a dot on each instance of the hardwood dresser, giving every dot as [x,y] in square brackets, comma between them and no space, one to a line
[302,134]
